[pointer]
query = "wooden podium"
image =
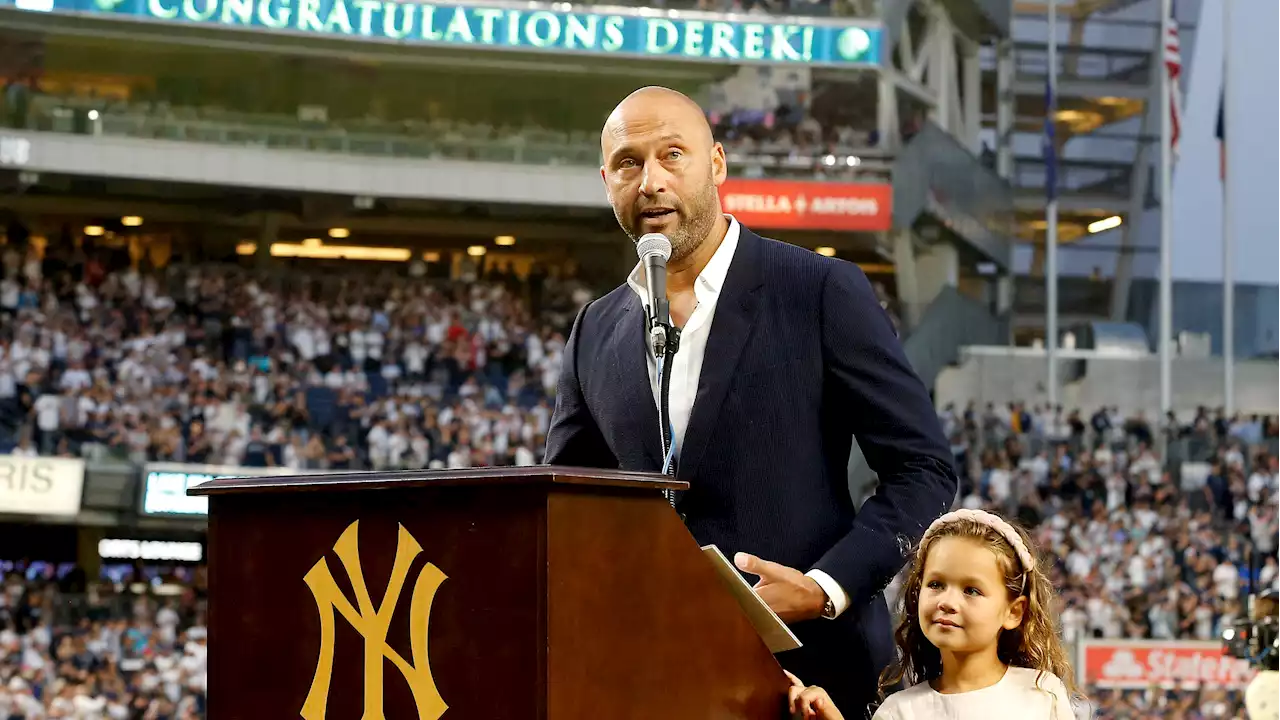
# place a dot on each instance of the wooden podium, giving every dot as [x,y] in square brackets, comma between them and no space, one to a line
[537,593]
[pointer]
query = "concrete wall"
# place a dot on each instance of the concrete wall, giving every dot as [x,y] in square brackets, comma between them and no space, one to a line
[1003,375]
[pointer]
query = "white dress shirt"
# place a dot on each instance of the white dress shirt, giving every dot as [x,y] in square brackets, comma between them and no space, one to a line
[687,365]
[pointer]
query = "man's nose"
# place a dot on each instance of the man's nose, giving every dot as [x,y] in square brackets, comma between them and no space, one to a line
[654,179]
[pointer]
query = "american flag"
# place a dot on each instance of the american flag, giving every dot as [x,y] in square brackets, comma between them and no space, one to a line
[1173,65]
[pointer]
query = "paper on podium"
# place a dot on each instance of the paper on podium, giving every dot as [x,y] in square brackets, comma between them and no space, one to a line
[775,633]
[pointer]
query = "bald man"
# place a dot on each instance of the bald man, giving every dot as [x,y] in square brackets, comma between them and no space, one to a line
[785,357]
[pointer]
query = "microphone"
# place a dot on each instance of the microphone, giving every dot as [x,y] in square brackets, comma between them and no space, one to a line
[654,250]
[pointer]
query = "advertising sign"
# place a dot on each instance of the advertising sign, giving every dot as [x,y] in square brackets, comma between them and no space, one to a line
[799,205]
[526,26]
[40,485]
[171,550]
[1135,664]
[164,485]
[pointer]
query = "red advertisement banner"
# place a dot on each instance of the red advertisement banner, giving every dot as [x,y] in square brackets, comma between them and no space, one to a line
[1134,664]
[797,205]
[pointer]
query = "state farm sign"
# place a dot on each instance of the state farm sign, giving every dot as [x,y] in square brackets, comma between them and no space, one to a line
[1133,664]
[795,205]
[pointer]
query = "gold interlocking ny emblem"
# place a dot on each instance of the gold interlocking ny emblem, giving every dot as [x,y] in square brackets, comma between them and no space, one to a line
[373,626]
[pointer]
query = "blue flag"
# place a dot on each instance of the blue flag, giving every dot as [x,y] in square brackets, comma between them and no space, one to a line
[1050,145]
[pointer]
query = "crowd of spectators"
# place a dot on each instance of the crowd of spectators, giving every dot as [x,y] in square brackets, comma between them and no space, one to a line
[224,365]
[1142,546]
[100,651]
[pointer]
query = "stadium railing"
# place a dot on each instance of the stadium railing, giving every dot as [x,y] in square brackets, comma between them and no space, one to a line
[420,140]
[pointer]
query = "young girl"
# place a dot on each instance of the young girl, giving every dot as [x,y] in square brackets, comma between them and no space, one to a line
[977,636]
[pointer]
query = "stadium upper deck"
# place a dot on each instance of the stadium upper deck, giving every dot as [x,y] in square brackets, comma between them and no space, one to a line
[845,120]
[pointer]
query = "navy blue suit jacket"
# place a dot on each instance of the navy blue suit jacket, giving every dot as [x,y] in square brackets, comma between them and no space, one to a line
[800,359]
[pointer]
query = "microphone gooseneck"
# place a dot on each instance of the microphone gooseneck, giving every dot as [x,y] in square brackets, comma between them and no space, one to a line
[654,249]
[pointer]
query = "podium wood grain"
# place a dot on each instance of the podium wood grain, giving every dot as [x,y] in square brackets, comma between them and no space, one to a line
[570,593]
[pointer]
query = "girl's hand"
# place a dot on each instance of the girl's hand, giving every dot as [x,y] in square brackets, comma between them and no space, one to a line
[810,702]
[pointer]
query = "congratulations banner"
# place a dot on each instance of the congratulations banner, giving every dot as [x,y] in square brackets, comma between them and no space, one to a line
[524,27]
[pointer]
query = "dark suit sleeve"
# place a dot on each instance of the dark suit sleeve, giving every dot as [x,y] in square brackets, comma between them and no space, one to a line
[897,428]
[574,438]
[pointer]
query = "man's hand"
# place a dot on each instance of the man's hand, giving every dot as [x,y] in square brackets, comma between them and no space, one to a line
[788,592]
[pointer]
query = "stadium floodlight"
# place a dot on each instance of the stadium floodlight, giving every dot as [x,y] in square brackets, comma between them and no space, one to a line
[1105,224]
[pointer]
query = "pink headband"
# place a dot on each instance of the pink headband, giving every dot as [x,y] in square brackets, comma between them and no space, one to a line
[994,522]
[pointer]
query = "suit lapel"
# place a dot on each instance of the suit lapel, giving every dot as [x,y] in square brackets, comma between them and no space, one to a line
[735,314]
[640,412]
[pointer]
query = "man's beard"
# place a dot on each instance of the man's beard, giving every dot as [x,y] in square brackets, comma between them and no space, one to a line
[696,220]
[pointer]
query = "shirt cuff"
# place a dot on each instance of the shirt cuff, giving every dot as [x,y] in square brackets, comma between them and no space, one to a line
[834,592]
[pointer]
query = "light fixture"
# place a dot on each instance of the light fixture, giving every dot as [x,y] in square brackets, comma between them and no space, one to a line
[825,251]
[829,160]
[94,230]
[339,233]
[431,256]
[319,251]
[476,251]
[1068,116]
[1105,224]
[131,221]
[93,114]
[505,240]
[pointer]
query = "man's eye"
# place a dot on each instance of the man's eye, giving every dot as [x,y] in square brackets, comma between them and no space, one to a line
[675,155]
[627,164]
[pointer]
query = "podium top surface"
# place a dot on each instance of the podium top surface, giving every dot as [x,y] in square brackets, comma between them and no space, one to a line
[488,476]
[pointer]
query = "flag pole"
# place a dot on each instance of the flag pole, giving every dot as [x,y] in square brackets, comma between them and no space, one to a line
[1051,211]
[1228,242]
[1166,216]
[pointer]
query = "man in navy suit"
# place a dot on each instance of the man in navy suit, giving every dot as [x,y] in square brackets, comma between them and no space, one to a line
[785,356]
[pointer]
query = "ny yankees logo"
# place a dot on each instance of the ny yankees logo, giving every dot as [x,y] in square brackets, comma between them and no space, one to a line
[373,624]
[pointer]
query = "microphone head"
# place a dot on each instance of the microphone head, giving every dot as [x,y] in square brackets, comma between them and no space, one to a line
[654,244]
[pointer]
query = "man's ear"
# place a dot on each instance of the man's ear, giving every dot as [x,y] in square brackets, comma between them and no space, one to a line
[1017,612]
[719,165]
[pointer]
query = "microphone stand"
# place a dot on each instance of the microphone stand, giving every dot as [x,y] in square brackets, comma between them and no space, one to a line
[664,342]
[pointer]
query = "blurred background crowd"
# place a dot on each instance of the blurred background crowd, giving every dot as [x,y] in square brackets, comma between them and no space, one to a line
[226,250]
[389,372]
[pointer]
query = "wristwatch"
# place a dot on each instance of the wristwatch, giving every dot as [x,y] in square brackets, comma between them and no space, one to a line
[829,608]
